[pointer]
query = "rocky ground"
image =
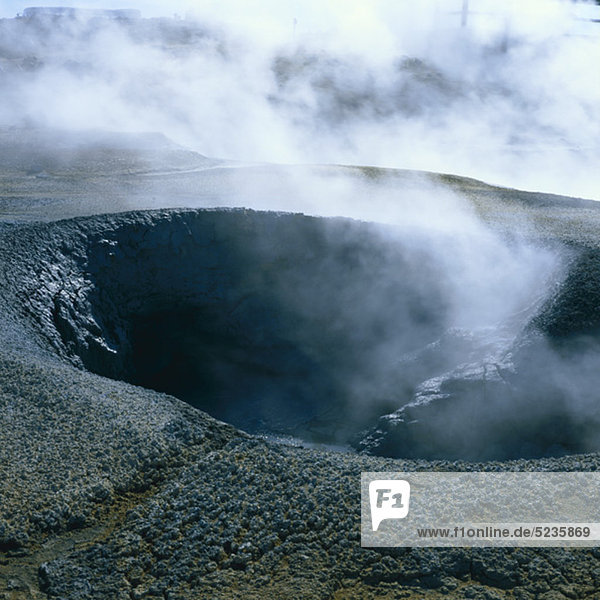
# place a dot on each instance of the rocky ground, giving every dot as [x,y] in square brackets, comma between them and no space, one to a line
[111,490]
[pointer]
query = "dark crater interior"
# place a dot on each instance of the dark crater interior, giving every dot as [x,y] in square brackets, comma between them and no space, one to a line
[323,329]
[276,323]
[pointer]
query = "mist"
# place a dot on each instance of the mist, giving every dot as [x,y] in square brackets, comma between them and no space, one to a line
[508,98]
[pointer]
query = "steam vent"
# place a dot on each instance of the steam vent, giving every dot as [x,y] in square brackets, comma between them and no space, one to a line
[199,356]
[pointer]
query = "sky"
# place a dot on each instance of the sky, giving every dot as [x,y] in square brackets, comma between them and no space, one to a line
[309,11]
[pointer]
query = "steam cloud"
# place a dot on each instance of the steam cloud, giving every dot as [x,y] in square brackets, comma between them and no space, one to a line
[510,98]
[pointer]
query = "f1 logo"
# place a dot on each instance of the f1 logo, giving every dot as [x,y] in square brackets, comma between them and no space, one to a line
[389,499]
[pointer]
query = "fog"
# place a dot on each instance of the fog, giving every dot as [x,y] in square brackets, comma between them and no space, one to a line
[503,92]
[510,97]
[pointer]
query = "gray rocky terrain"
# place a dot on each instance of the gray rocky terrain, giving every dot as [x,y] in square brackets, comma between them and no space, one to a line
[118,280]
